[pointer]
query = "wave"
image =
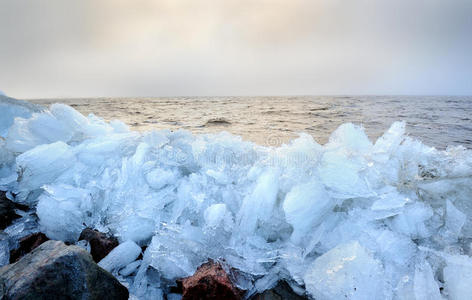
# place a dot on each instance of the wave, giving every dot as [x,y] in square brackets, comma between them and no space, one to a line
[351,218]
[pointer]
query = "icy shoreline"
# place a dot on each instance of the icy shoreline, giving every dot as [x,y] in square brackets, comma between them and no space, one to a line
[351,218]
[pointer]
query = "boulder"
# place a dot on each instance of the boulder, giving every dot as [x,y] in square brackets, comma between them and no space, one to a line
[282,291]
[100,243]
[27,244]
[210,281]
[7,211]
[56,271]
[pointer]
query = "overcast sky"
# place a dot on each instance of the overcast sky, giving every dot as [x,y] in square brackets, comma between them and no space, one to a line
[87,48]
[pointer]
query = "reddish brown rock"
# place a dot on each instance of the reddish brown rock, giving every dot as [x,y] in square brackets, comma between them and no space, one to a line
[100,243]
[210,281]
[27,244]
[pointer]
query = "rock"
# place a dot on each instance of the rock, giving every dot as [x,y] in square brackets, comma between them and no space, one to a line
[4,249]
[7,211]
[100,243]
[56,271]
[282,291]
[21,206]
[27,244]
[210,281]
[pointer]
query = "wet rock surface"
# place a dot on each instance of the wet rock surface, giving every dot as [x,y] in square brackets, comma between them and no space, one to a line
[56,271]
[282,291]
[7,211]
[210,281]
[100,243]
[27,244]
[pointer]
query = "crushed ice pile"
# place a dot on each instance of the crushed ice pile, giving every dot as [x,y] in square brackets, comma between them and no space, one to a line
[348,219]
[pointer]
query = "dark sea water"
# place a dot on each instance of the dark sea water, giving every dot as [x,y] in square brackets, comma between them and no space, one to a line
[436,120]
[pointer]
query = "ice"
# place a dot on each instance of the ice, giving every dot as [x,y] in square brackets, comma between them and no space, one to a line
[158,178]
[124,254]
[259,204]
[412,221]
[218,215]
[136,229]
[174,297]
[287,213]
[59,123]
[20,228]
[187,252]
[10,109]
[42,165]
[390,141]
[84,244]
[305,206]
[62,211]
[346,272]
[425,287]
[458,277]
[455,220]
[351,138]
[390,201]
[130,268]
[395,249]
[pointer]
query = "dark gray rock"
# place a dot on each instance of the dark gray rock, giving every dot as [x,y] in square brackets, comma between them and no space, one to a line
[56,271]
[7,211]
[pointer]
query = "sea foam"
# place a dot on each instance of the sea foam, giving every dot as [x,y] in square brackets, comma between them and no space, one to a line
[351,218]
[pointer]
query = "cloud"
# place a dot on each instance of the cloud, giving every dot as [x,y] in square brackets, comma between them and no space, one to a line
[70,48]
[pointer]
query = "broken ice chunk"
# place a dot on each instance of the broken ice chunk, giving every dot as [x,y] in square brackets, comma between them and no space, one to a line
[174,296]
[130,268]
[260,203]
[458,276]
[61,211]
[455,220]
[217,215]
[158,178]
[44,128]
[394,248]
[425,287]
[340,173]
[71,120]
[304,207]
[136,228]
[120,256]
[389,201]
[43,164]
[172,262]
[351,137]
[347,271]
[412,221]
[10,109]
[390,140]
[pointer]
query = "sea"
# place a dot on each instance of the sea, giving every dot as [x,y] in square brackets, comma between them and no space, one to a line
[438,121]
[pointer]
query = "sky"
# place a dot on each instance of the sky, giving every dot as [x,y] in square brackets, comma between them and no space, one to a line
[139,48]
